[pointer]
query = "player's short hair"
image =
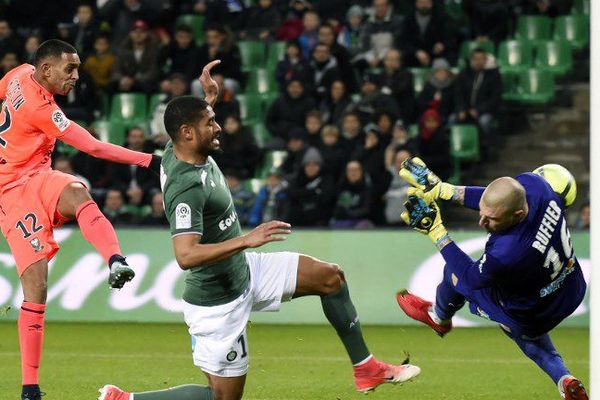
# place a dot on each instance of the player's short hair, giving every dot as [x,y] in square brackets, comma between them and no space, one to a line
[52,48]
[184,110]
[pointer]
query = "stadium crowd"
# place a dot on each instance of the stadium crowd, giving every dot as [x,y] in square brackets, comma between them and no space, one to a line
[345,108]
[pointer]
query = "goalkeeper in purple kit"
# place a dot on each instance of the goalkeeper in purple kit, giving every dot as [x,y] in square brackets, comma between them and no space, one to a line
[528,279]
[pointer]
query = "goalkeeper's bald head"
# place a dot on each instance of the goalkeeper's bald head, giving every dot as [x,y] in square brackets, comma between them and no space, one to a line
[503,204]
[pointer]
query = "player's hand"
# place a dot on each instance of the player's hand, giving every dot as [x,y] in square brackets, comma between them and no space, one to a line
[209,85]
[423,217]
[415,172]
[267,232]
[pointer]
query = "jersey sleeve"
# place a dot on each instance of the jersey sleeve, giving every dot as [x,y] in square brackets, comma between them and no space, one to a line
[50,119]
[184,213]
[472,274]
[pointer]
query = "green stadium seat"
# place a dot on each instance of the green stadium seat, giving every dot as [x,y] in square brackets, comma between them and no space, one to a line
[196,22]
[468,46]
[261,80]
[514,56]
[128,108]
[464,146]
[260,133]
[275,53]
[574,29]
[534,28]
[413,131]
[252,53]
[254,185]
[272,160]
[582,7]
[554,57]
[420,76]
[267,100]
[155,100]
[110,131]
[532,87]
[250,108]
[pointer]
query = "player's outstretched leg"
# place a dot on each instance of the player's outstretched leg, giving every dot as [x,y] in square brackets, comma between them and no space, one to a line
[545,355]
[184,392]
[327,280]
[75,202]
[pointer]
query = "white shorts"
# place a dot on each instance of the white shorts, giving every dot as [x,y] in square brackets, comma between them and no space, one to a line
[219,341]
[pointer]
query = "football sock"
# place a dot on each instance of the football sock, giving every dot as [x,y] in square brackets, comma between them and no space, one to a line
[341,314]
[544,354]
[31,337]
[97,230]
[447,300]
[184,392]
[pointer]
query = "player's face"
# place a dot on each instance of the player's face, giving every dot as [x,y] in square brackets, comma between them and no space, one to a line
[494,219]
[63,73]
[207,131]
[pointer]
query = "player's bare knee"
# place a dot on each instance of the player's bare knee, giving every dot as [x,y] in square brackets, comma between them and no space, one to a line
[334,277]
[79,193]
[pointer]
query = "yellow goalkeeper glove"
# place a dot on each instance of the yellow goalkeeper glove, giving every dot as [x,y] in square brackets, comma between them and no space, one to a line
[423,217]
[415,172]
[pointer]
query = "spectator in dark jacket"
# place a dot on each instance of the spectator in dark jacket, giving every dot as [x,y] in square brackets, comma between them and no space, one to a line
[373,100]
[333,151]
[10,42]
[261,21]
[439,90]
[9,61]
[242,196]
[325,69]
[489,19]
[398,83]
[352,132]
[311,193]
[32,42]
[479,95]
[351,33]
[115,209]
[313,125]
[239,150]
[380,34]
[226,103]
[310,36]
[157,215]
[219,46]
[424,36]
[272,201]
[289,110]
[80,103]
[327,36]
[433,144]
[296,147]
[353,203]
[84,31]
[294,65]
[334,105]
[181,55]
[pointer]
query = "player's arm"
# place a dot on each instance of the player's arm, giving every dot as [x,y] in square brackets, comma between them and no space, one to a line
[190,253]
[209,85]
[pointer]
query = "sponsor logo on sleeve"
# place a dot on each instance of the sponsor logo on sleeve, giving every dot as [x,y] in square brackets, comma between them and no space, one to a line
[183,216]
[60,120]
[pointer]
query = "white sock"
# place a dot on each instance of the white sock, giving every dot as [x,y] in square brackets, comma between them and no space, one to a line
[433,315]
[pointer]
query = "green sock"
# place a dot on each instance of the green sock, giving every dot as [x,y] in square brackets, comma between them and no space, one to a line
[340,312]
[184,392]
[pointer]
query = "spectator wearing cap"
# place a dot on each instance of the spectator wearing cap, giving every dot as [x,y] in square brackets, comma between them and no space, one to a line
[181,55]
[433,143]
[293,65]
[439,90]
[84,30]
[336,102]
[479,96]
[239,150]
[325,70]
[311,193]
[261,21]
[352,132]
[101,62]
[310,35]
[296,147]
[372,100]
[353,203]
[333,150]
[220,46]
[397,82]
[242,197]
[272,201]
[289,110]
[137,64]
[327,36]
[400,140]
[396,194]
[380,34]
[10,42]
[425,35]
[351,33]
[371,156]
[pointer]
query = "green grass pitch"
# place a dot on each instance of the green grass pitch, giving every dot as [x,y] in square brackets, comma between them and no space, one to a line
[289,362]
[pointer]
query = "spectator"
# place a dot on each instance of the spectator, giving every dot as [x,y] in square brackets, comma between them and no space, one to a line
[372,100]
[95,170]
[433,144]
[583,220]
[351,33]
[31,45]
[396,193]
[489,19]
[311,193]
[385,123]
[181,55]
[551,8]
[100,64]
[220,46]
[80,103]
[242,197]
[10,42]
[353,201]
[424,35]
[123,14]
[333,11]
[479,97]
[226,103]
[325,70]
[9,61]
[352,132]
[397,82]
[332,150]
[294,65]
[313,124]
[288,111]
[439,90]
[239,150]
[64,165]
[261,22]
[157,216]
[115,209]
[293,26]
[339,52]
[84,30]
[380,33]
[272,202]
[310,35]
[400,141]
[296,148]
[137,65]
[337,101]
[177,86]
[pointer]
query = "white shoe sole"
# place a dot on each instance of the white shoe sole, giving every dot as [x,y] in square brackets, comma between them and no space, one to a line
[104,391]
[409,372]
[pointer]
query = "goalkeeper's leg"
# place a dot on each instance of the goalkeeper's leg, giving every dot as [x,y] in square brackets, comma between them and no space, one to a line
[447,299]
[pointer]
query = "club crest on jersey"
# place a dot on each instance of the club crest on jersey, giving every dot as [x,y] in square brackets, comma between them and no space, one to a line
[60,120]
[183,216]
[37,246]
[232,355]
